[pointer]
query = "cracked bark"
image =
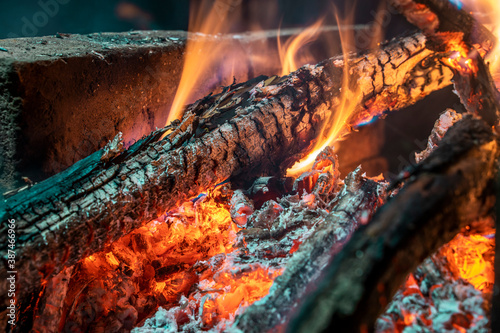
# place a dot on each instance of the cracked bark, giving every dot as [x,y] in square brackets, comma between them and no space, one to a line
[434,16]
[104,196]
[440,20]
[448,190]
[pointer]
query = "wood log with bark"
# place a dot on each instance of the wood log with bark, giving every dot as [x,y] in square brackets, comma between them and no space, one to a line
[258,127]
[448,190]
[438,16]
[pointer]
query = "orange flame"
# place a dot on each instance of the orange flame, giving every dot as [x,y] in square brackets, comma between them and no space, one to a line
[488,13]
[210,49]
[289,50]
[337,124]
[460,57]
[201,51]
[471,258]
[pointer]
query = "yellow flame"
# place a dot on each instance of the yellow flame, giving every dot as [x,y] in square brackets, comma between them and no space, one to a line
[488,13]
[337,124]
[289,50]
[203,49]
[211,50]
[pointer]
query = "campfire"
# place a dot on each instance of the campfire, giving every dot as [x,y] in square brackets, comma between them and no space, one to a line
[245,213]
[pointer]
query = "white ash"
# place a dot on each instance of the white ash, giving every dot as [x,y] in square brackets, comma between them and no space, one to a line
[113,148]
[447,119]
[241,208]
[270,239]
[435,302]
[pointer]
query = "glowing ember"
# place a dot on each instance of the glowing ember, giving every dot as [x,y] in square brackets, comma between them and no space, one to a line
[471,258]
[235,291]
[449,291]
[166,260]
[460,58]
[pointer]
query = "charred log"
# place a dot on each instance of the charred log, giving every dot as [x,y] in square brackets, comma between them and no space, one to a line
[473,83]
[353,206]
[442,16]
[448,190]
[441,21]
[261,126]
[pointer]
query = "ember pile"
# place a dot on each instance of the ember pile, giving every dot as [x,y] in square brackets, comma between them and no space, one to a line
[213,256]
[235,216]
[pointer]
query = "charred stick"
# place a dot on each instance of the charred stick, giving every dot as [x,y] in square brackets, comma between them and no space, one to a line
[442,16]
[357,197]
[473,83]
[441,21]
[448,190]
[477,91]
[258,127]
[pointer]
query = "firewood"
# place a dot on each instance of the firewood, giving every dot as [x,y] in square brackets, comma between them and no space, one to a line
[435,16]
[475,87]
[355,203]
[441,21]
[448,190]
[258,127]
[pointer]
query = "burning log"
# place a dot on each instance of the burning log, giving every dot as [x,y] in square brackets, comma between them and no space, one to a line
[353,206]
[53,120]
[448,190]
[147,265]
[472,79]
[114,191]
[435,16]
[441,21]
[271,241]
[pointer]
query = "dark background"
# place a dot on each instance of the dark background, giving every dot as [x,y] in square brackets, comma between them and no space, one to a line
[28,18]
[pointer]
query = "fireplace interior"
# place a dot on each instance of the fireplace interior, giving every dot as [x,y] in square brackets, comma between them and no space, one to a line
[244,177]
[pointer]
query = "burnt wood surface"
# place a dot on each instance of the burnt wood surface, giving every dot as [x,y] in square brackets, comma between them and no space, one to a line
[440,20]
[357,197]
[258,127]
[476,89]
[495,308]
[448,190]
[435,16]
[453,187]
[64,96]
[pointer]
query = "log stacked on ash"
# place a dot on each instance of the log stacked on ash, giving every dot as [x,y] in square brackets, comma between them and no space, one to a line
[254,128]
[450,189]
[114,191]
[139,272]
